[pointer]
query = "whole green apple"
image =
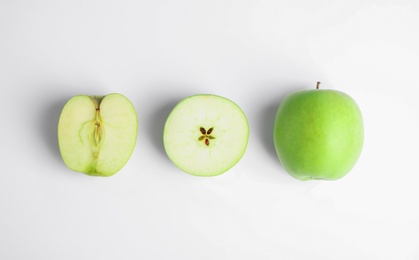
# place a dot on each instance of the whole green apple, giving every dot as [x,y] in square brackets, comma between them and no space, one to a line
[318,134]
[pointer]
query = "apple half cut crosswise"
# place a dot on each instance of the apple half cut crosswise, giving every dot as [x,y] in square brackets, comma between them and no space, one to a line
[97,134]
[205,135]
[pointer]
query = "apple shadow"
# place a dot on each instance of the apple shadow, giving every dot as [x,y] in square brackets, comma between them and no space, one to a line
[48,126]
[155,124]
[266,121]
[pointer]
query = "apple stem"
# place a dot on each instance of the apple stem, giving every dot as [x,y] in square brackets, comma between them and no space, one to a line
[318,85]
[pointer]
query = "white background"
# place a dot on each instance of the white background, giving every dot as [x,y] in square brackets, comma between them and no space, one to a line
[252,52]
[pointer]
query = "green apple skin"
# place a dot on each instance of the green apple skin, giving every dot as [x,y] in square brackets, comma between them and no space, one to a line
[97,134]
[190,148]
[318,134]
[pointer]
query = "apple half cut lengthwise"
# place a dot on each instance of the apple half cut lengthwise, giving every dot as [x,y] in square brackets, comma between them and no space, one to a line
[205,135]
[97,134]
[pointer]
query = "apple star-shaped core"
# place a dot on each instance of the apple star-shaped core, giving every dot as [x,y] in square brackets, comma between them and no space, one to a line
[206,135]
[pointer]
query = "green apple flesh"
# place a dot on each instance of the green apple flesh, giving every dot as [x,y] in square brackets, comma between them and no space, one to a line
[97,134]
[205,135]
[318,134]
